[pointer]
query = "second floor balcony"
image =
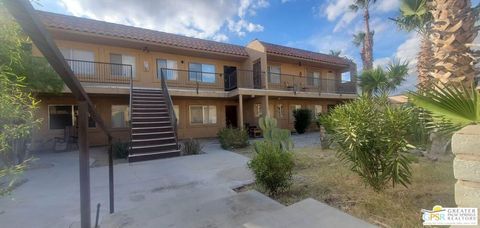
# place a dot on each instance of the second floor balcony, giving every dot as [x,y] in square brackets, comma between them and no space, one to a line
[248,79]
[122,75]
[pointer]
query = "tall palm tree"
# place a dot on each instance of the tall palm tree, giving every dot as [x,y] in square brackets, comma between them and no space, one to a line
[453,29]
[416,16]
[359,41]
[378,80]
[368,39]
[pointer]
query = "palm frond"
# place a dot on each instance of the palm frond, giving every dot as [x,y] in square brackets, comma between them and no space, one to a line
[458,105]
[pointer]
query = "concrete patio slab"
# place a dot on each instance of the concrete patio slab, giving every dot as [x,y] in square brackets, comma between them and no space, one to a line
[50,197]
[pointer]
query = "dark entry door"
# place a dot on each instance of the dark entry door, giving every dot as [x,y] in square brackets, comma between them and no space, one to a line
[231,116]
[230,78]
[257,75]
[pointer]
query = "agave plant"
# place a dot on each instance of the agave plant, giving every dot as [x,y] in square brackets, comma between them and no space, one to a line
[452,107]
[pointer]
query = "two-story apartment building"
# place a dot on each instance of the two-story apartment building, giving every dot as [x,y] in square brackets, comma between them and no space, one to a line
[211,84]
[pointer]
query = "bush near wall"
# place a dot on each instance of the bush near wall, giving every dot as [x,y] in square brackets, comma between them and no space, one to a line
[120,149]
[231,138]
[303,118]
[191,146]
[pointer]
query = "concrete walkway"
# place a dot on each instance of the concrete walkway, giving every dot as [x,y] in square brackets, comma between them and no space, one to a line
[50,197]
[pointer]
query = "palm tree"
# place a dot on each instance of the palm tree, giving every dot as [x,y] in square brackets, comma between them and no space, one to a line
[415,16]
[359,41]
[453,29]
[336,53]
[368,39]
[459,106]
[378,80]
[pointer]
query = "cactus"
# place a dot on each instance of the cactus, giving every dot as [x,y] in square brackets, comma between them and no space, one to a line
[274,134]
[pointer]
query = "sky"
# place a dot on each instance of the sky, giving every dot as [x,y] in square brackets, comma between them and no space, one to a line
[315,25]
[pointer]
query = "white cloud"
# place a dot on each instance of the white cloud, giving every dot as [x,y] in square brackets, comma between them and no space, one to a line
[333,9]
[202,19]
[387,5]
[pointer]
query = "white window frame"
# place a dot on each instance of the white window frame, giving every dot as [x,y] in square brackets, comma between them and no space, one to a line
[315,78]
[203,72]
[277,76]
[171,73]
[258,110]
[126,61]
[127,118]
[205,121]
[72,116]
[87,68]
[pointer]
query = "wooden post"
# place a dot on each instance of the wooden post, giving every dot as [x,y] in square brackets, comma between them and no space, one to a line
[266,107]
[110,175]
[84,165]
[240,111]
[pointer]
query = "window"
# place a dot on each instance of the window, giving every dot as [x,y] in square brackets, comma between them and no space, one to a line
[346,77]
[203,114]
[313,79]
[176,109]
[201,72]
[61,116]
[84,67]
[274,74]
[317,110]
[120,116]
[279,111]
[258,110]
[170,69]
[122,70]
[293,108]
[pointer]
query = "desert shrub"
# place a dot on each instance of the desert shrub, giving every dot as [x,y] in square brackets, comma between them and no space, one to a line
[120,149]
[231,138]
[191,146]
[303,118]
[273,134]
[272,166]
[371,135]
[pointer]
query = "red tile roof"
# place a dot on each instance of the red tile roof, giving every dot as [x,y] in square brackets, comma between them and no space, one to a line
[78,24]
[303,54]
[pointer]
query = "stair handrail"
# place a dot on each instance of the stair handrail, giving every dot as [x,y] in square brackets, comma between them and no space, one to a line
[171,111]
[131,110]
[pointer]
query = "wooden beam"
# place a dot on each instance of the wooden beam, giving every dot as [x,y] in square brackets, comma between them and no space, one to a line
[84,165]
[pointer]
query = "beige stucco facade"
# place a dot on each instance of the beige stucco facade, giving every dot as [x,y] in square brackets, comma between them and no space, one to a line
[244,98]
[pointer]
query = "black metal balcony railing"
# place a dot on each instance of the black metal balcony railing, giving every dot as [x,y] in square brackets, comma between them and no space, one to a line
[191,79]
[100,72]
[250,80]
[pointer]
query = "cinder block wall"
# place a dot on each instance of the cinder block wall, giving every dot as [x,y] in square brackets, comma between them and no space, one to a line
[466,166]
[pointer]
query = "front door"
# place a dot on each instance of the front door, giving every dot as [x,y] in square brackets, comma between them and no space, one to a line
[231,116]
[257,75]
[230,79]
[330,84]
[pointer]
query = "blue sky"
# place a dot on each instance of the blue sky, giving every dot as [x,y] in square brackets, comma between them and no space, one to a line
[316,25]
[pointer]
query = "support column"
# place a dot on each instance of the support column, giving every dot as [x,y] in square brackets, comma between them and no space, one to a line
[84,165]
[240,111]
[266,107]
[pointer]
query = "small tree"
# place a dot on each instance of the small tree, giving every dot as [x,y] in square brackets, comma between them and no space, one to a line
[303,118]
[17,121]
[372,136]
[273,163]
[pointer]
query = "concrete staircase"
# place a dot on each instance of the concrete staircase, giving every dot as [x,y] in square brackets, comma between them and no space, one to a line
[153,133]
[249,209]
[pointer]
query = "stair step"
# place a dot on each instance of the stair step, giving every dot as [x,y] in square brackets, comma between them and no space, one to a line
[141,149]
[149,97]
[153,146]
[152,139]
[151,122]
[149,108]
[147,101]
[150,128]
[149,117]
[148,113]
[153,155]
[152,133]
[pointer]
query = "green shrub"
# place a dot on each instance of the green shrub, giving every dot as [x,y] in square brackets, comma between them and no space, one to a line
[371,136]
[120,149]
[303,118]
[231,138]
[191,146]
[272,166]
[273,134]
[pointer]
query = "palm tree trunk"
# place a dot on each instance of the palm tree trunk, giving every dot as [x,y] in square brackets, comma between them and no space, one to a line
[368,49]
[424,62]
[452,30]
